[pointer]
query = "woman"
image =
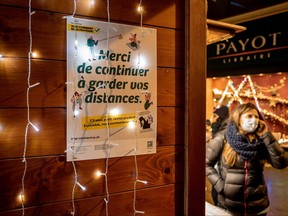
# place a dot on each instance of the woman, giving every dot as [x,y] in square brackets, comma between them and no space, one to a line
[242,150]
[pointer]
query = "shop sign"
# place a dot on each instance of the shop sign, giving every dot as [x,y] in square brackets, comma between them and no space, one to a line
[260,45]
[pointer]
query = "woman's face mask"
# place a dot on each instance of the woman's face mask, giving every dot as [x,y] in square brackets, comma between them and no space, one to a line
[249,121]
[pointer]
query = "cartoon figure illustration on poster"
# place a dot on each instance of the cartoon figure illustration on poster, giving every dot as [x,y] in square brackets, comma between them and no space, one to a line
[91,43]
[148,102]
[134,43]
[112,99]
[145,117]
[76,100]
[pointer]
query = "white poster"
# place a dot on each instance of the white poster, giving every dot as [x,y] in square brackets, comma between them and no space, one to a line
[111,90]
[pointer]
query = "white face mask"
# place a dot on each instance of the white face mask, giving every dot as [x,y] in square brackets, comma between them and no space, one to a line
[249,125]
[249,121]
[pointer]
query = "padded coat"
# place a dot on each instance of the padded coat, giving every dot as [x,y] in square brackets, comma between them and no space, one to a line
[242,186]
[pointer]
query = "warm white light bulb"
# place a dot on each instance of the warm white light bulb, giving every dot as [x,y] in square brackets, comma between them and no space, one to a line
[98,173]
[34,54]
[76,112]
[139,9]
[115,111]
[21,197]
[35,128]
[36,84]
[140,62]
[139,212]
[144,182]
[81,186]
[131,124]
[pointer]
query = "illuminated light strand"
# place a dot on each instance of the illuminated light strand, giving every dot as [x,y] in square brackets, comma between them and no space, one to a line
[274,116]
[107,150]
[271,88]
[254,96]
[235,92]
[140,10]
[235,95]
[72,148]
[29,123]
[113,144]
[107,115]
[75,179]
[241,85]
[253,92]
[81,186]
[75,8]
[263,97]
[223,95]
[135,184]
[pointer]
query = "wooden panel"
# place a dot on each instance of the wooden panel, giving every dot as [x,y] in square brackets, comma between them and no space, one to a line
[151,15]
[49,37]
[150,200]
[171,91]
[51,139]
[52,89]
[50,179]
[13,83]
[170,129]
[170,48]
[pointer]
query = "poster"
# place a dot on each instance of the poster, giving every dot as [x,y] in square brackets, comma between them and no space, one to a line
[111,90]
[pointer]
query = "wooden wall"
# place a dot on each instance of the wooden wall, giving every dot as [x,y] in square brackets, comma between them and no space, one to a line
[49,178]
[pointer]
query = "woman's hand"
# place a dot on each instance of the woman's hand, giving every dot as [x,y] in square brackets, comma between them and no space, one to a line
[262,128]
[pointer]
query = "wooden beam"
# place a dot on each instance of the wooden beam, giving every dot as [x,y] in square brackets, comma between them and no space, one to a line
[218,31]
[195,106]
[257,14]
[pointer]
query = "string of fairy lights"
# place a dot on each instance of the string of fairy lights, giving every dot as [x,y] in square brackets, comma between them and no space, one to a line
[72,149]
[252,94]
[107,141]
[137,180]
[29,123]
[107,150]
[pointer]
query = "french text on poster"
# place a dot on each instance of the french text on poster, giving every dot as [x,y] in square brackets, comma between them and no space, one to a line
[111,90]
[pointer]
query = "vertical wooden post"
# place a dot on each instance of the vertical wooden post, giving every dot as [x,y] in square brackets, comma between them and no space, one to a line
[195,106]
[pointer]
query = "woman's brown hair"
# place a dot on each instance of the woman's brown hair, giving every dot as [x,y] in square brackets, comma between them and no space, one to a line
[229,154]
[243,108]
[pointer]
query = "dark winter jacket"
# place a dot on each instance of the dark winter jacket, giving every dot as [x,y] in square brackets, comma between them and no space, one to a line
[242,186]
